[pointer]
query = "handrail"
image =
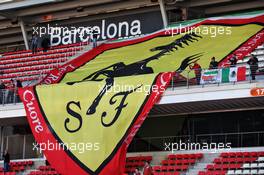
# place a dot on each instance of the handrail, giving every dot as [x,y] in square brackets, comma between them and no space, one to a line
[234,133]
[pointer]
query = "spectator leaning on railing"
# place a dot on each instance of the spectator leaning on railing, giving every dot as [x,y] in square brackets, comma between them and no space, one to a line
[10,91]
[233,61]
[2,89]
[197,70]
[253,64]
[213,64]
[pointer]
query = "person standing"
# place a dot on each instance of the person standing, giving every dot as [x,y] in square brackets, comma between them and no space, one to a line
[197,70]
[147,170]
[45,44]
[34,43]
[2,92]
[213,64]
[6,161]
[94,37]
[11,91]
[233,61]
[253,65]
[18,85]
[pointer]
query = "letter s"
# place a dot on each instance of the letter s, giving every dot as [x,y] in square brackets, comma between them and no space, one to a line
[75,115]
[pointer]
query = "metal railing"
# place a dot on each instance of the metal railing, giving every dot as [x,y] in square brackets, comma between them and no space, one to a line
[155,143]
[20,146]
[194,77]
[183,79]
[239,139]
[243,139]
[9,96]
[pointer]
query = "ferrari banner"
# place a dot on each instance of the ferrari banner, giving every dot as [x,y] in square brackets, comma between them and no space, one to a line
[85,127]
[85,113]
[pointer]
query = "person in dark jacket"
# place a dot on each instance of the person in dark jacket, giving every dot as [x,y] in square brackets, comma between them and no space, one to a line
[18,85]
[45,44]
[2,92]
[34,43]
[233,61]
[253,64]
[94,37]
[6,161]
[213,64]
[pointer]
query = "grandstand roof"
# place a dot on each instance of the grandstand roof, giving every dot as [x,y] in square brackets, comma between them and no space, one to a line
[64,11]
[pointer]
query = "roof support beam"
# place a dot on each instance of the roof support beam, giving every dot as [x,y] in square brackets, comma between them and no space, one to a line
[163,13]
[24,33]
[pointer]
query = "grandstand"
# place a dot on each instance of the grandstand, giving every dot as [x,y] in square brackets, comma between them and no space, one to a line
[210,125]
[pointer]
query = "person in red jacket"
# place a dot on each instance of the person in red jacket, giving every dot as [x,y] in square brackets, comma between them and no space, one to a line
[197,70]
[147,170]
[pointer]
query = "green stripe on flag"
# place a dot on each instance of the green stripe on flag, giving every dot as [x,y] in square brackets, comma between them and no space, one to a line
[225,75]
[211,72]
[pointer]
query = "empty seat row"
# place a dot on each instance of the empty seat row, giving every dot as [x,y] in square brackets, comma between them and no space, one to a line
[260,159]
[166,173]
[46,168]
[241,154]
[22,74]
[51,48]
[31,68]
[178,162]
[22,163]
[223,166]
[239,172]
[28,59]
[185,156]
[212,173]
[33,63]
[139,158]
[43,173]
[28,78]
[171,168]
[234,160]
[253,165]
[18,56]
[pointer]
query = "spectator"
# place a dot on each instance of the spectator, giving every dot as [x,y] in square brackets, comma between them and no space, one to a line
[253,64]
[94,38]
[213,64]
[34,43]
[10,91]
[18,85]
[233,61]
[6,161]
[45,44]
[2,94]
[197,70]
[137,172]
[147,170]
[2,85]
